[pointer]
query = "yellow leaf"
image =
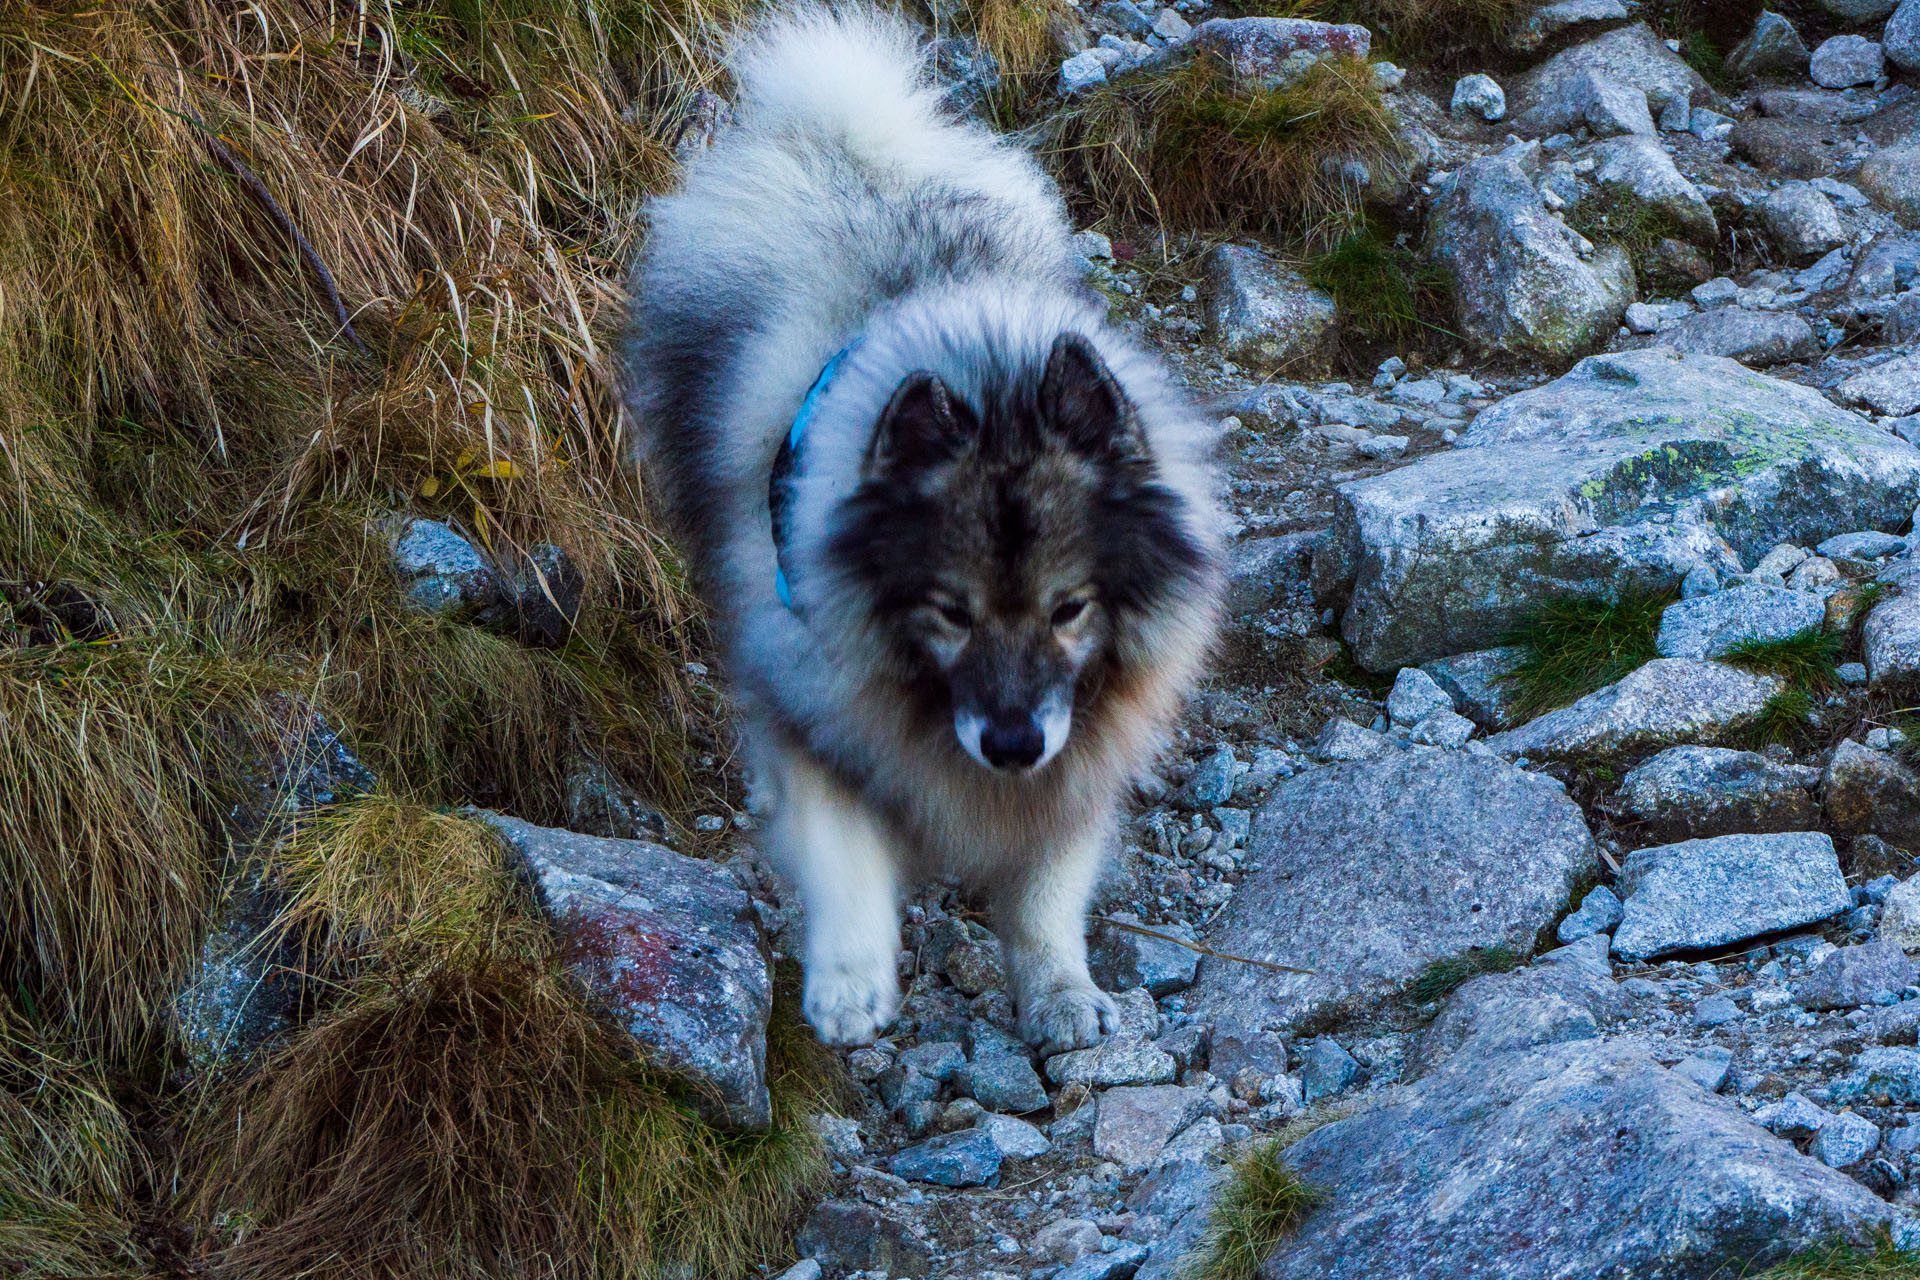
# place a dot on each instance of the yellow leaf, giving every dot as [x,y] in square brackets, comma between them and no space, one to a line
[465,458]
[501,469]
[431,487]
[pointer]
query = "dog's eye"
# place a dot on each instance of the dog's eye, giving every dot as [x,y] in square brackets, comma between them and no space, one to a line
[1066,614]
[953,614]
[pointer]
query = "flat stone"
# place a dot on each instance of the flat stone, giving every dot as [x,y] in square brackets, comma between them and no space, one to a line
[1891,388]
[1666,701]
[1121,959]
[1715,1011]
[1548,98]
[1342,740]
[1080,74]
[1477,682]
[670,947]
[1890,637]
[1863,551]
[1119,1061]
[1701,894]
[1004,1084]
[1624,474]
[1134,1125]
[967,1158]
[1713,625]
[1844,61]
[1124,1261]
[1791,148]
[850,1235]
[1610,108]
[1773,47]
[1066,1241]
[1900,914]
[1549,20]
[1270,573]
[1889,1074]
[1256,50]
[1861,11]
[1601,1161]
[1686,793]
[1891,179]
[1461,851]
[1707,1068]
[1567,994]
[1820,106]
[1599,912]
[1651,317]
[1853,976]
[1444,729]
[1872,791]
[1265,314]
[1014,1139]
[1326,1070]
[1524,282]
[1845,1140]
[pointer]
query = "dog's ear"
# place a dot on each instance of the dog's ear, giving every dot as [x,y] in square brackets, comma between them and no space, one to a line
[922,426]
[1082,404]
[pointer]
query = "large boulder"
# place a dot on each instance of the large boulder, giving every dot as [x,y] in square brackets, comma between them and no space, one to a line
[1715,624]
[1873,791]
[1637,170]
[1890,638]
[1622,475]
[1577,1159]
[1754,338]
[1257,50]
[1666,701]
[670,948]
[1700,894]
[1265,314]
[1773,46]
[1892,179]
[1567,994]
[1552,98]
[1892,388]
[1459,852]
[1685,793]
[1523,281]
[1901,39]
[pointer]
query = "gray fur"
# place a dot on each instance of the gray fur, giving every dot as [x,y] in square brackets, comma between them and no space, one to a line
[845,206]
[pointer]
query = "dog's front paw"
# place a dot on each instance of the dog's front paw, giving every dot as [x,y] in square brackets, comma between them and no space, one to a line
[848,1004]
[1070,1019]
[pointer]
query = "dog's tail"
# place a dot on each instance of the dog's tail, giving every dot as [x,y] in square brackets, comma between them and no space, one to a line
[854,76]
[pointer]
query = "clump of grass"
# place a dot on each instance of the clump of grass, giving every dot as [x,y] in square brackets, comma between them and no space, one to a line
[459,1109]
[1386,293]
[1573,647]
[1259,1207]
[1424,29]
[1192,148]
[1443,977]
[1785,719]
[1808,660]
[1022,35]
[68,1162]
[1612,215]
[1841,1261]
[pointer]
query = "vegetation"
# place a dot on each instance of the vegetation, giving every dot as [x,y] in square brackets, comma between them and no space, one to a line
[1786,718]
[1575,646]
[1807,661]
[1386,293]
[1878,1261]
[1194,148]
[1443,977]
[1423,28]
[1257,1209]
[1611,214]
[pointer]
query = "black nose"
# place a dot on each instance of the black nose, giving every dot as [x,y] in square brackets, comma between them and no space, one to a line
[1012,743]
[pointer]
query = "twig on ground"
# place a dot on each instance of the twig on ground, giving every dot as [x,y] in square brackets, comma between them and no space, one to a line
[1201,947]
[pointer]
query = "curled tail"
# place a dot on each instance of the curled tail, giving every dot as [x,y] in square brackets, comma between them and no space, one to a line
[853,76]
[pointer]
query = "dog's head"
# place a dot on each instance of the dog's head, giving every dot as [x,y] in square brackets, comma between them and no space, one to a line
[1010,550]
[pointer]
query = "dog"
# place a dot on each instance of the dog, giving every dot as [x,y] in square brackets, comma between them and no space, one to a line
[959,534]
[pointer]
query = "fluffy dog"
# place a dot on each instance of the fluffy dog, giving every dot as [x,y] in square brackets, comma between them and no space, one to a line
[959,533]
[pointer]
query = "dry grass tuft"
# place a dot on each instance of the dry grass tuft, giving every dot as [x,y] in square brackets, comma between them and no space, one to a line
[460,1111]
[1422,30]
[1193,149]
[1259,1207]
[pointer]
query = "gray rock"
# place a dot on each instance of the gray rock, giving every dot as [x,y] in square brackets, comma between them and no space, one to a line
[1773,47]
[1082,73]
[1815,574]
[1123,1262]
[1845,1140]
[1711,626]
[1881,1073]
[1890,638]
[1549,100]
[1853,976]
[1567,994]
[1715,1011]
[1326,1070]
[1524,282]
[1639,174]
[440,572]
[1121,960]
[1134,1125]
[1859,10]
[1872,791]
[1120,1061]
[967,71]
[1478,685]
[1888,264]
[670,947]
[1212,781]
[968,1158]
[1901,39]
[1900,914]
[1686,793]
[1891,388]
[1706,1068]
[1891,179]
[1268,573]
[1844,61]
[1444,729]
[1610,108]
[1264,314]
[1343,740]
[805,1269]
[1599,912]
[1794,1117]
[849,1235]
[1014,1139]
[1628,471]
[1065,1241]
[1549,20]
[1862,552]
[1004,1083]
[1431,892]
[1801,221]
[1170,26]
[1650,317]
[1709,893]
[1481,95]
[1256,50]
[1528,1146]
[1416,696]
[1668,700]
[1753,338]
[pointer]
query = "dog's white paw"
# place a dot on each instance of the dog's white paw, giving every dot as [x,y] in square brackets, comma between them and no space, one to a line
[848,1004]
[1070,1019]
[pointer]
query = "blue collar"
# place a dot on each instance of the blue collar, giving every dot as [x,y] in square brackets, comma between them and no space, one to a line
[780,484]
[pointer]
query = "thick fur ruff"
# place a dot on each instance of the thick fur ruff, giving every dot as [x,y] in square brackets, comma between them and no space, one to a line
[845,212]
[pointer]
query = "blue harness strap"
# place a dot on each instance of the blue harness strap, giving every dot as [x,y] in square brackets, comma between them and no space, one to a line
[780,495]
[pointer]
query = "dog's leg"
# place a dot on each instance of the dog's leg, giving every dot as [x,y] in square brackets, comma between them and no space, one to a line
[839,855]
[1042,917]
